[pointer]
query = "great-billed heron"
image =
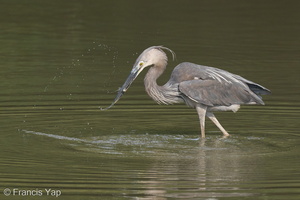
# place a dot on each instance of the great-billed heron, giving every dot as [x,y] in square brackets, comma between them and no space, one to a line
[207,89]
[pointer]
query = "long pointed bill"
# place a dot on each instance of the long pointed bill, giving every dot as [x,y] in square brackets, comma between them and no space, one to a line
[132,76]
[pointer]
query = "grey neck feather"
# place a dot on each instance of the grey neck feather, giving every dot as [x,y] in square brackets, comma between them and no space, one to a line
[166,94]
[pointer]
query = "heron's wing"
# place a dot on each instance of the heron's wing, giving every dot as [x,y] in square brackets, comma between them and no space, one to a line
[189,71]
[215,93]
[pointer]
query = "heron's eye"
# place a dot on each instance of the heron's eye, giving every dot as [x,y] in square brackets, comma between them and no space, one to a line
[141,63]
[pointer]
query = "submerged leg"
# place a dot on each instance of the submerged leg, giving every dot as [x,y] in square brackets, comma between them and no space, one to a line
[212,117]
[201,110]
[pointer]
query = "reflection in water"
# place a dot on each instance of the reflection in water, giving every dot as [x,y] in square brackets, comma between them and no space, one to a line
[182,166]
[209,170]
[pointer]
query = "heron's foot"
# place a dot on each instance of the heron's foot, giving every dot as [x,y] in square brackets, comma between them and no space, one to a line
[225,135]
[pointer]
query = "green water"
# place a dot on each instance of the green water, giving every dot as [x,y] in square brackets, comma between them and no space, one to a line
[62,60]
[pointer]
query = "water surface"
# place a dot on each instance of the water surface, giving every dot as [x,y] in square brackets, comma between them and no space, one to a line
[61,61]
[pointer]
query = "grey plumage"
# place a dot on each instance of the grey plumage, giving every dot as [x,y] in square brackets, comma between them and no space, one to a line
[207,89]
[215,87]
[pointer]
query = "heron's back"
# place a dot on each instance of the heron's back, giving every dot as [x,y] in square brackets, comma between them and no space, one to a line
[213,86]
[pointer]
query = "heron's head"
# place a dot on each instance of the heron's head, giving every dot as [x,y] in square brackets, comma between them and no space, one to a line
[151,57]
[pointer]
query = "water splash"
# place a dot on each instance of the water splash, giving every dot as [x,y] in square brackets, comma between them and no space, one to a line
[89,54]
[60,137]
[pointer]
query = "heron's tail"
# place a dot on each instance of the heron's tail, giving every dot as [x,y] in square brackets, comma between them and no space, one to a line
[258,89]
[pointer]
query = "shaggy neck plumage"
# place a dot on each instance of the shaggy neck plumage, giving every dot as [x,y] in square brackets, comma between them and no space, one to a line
[160,94]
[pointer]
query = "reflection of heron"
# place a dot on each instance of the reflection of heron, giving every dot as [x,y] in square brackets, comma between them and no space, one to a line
[207,89]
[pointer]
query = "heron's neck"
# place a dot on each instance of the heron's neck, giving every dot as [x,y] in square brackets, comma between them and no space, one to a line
[160,94]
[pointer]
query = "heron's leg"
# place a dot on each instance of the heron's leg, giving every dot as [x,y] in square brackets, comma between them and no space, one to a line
[201,110]
[212,117]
